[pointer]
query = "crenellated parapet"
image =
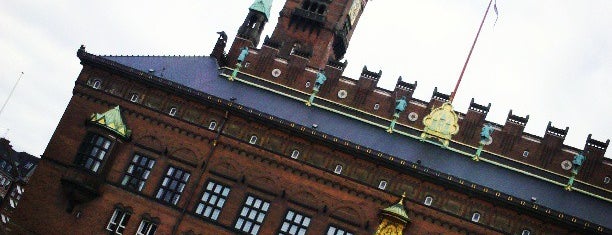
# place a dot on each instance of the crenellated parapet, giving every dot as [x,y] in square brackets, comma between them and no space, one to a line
[473,122]
[511,132]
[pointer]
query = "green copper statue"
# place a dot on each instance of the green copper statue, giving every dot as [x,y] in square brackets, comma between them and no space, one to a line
[400,106]
[320,80]
[318,83]
[485,139]
[576,165]
[244,52]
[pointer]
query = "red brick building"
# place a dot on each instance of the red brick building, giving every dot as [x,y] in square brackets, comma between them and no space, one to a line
[192,145]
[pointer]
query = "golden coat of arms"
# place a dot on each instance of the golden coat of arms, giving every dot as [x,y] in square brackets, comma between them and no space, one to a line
[441,123]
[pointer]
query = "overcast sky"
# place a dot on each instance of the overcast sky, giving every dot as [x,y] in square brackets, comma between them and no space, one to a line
[549,59]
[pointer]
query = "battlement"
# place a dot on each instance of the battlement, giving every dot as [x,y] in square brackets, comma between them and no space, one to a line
[479,108]
[522,121]
[440,96]
[557,132]
[405,86]
[597,144]
[365,73]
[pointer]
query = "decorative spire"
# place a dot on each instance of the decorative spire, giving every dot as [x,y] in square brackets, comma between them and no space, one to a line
[398,210]
[112,120]
[262,6]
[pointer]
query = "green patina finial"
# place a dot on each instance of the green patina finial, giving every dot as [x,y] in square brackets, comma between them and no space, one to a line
[112,120]
[397,210]
[262,6]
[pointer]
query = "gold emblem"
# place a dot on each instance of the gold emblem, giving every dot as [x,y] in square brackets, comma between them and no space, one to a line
[441,123]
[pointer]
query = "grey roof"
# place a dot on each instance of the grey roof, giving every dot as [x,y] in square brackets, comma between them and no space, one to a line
[202,74]
[18,165]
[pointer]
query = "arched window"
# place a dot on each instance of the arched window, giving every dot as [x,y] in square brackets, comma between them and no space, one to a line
[382,185]
[428,200]
[295,154]
[134,97]
[476,217]
[172,111]
[253,139]
[526,232]
[307,84]
[321,9]
[212,125]
[96,84]
[525,153]
[607,180]
[376,106]
[338,169]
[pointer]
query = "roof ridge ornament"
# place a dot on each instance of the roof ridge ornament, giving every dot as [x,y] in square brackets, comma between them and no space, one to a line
[441,123]
[112,121]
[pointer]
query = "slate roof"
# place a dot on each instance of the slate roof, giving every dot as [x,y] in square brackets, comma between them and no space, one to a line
[202,74]
[8,157]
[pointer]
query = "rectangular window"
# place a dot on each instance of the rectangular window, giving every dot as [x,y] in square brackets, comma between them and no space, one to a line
[92,152]
[117,222]
[332,230]
[212,200]
[146,227]
[294,224]
[252,215]
[138,172]
[172,186]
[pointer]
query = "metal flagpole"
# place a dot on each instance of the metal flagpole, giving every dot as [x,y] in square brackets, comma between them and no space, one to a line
[11,93]
[452,96]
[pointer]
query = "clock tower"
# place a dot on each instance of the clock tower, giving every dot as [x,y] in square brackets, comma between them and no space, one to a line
[319,30]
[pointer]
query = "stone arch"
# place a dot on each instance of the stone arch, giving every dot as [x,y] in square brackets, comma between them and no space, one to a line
[227,169]
[185,154]
[150,142]
[306,198]
[348,213]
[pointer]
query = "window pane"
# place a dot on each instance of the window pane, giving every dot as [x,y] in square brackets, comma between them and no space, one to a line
[212,200]
[252,214]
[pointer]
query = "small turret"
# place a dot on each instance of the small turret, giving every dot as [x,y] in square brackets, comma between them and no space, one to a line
[594,150]
[473,121]
[218,51]
[253,25]
[512,131]
[551,143]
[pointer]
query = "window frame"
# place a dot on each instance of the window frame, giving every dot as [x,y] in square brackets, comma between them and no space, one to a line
[291,223]
[382,185]
[477,215]
[127,176]
[253,139]
[134,97]
[173,111]
[526,232]
[86,149]
[96,84]
[151,226]
[205,204]
[212,125]
[168,188]
[121,224]
[428,198]
[376,106]
[337,230]
[525,153]
[247,210]
[338,169]
[295,154]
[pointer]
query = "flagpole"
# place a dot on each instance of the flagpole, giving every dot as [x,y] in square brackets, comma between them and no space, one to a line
[467,60]
[11,93]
